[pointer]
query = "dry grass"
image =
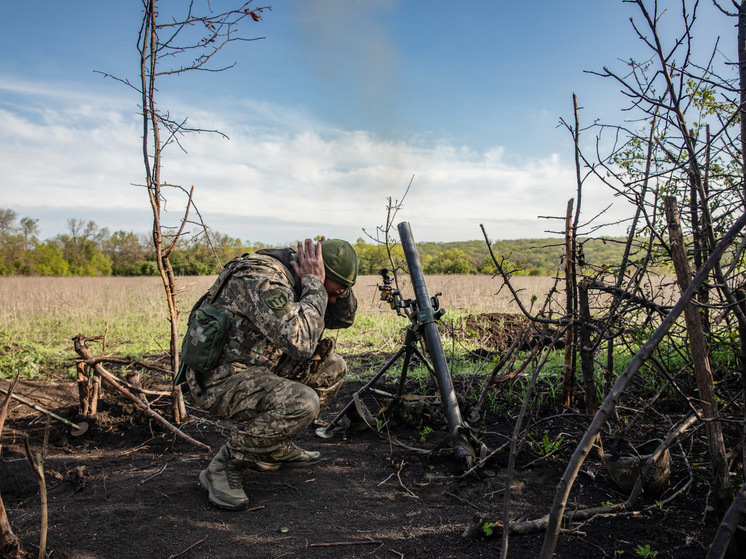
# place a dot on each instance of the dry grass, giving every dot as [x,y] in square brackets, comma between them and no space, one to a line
[46,313]
[461,293]
[132,311]
[80,303]
[40,316]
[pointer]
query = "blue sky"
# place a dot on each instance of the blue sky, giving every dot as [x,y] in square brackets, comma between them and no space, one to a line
[335,110]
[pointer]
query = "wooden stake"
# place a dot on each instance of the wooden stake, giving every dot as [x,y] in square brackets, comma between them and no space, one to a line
[698,345]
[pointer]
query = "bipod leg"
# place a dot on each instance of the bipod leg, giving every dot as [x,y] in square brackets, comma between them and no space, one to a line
[410,348]
[327,432]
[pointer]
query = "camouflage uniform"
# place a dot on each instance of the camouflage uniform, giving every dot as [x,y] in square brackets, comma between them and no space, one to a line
[277,322]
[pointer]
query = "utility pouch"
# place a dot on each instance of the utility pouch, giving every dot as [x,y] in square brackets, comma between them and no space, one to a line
[207,333]
[303,370]
[207,329]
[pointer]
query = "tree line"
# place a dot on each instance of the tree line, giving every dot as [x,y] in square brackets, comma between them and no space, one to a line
[89,250]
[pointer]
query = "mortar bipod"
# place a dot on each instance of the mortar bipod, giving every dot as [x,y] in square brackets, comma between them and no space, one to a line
[409,349]
[424,314]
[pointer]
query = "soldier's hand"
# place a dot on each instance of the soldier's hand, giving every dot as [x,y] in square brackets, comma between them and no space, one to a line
[310,260]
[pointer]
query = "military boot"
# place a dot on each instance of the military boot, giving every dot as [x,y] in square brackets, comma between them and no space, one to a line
[288,455]
[222,479]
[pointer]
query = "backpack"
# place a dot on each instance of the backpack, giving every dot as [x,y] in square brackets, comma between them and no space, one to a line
[207,330]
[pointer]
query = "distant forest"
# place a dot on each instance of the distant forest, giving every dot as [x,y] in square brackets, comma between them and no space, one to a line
[88,250]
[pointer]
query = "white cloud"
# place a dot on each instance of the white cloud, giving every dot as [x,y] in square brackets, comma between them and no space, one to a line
[281,176]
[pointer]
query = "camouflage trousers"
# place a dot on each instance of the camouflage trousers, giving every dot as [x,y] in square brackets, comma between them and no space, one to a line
[270,410]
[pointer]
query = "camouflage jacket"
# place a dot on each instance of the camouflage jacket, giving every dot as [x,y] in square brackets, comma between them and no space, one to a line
[275,313]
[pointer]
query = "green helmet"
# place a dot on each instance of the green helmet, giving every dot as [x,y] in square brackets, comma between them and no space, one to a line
[340,261]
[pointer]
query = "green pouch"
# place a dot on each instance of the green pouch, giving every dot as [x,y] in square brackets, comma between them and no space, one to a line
[205,339]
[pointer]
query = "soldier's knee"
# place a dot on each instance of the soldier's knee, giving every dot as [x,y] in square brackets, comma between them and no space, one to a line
[308,403]
[335,366]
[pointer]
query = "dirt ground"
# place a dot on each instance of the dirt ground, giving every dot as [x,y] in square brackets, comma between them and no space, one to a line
[128,488]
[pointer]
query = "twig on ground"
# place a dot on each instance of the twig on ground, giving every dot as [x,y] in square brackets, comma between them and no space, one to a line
[539,459]
[484,460]
[462,500]
[195,544]
[401,483]
[619,514]
[143,446]
[385,480]
[95,361]
[154,475]
[333,544]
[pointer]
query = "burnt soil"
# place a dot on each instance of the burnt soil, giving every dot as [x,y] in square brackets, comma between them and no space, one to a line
[128,488]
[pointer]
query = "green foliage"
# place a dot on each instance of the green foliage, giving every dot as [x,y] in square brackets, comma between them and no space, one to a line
[373,257]
[88,250]
[48,260]
[22,360]
[488,528]
[381,424]
[453,261]
[424,432]
[545,445]
[128,254]
[645,551]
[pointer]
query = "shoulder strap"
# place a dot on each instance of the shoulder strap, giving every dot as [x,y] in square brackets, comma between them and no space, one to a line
[284,256]
[215,289]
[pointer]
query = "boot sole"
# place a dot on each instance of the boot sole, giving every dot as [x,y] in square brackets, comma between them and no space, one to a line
[272,466]
[214,500]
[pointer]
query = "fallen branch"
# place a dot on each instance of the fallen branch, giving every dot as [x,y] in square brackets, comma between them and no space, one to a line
[333,544]
[122,361]
[475,527]
[82,350]
[131,386]
[462,500]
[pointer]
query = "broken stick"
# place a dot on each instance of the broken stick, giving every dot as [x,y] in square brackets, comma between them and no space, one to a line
[82,350]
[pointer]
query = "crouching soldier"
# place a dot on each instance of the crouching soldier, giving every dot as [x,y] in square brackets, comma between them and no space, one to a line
[253,353]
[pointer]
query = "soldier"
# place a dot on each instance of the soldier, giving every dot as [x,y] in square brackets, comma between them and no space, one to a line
[275,372]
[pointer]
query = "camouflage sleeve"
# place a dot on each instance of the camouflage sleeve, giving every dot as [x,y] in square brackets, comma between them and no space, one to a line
[266,299]
[341,313]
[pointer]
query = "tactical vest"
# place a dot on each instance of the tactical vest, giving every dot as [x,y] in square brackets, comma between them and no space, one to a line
[246,343]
